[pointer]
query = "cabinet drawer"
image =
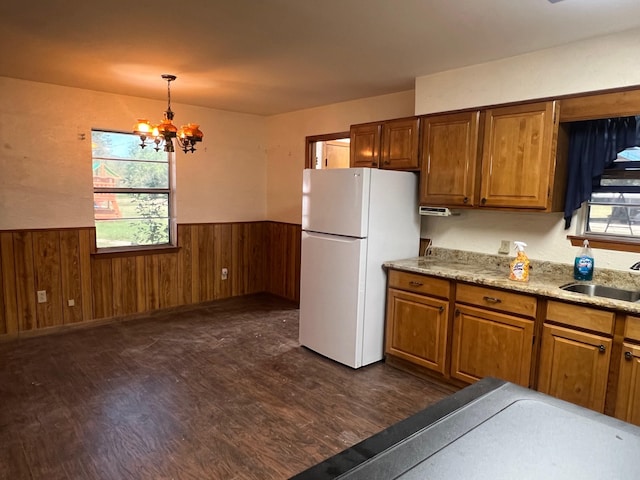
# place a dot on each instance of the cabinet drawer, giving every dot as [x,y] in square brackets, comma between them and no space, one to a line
[581,316]
[497,300]
[632,328]
[413,282]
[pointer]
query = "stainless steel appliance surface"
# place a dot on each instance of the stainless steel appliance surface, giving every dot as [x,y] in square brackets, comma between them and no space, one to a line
[493,430]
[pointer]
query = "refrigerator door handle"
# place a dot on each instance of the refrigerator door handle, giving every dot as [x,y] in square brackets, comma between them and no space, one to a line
[330,236]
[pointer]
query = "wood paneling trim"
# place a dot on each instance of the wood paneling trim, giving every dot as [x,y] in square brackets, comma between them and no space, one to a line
[283,260]
[142,299]
[9,293]
[124,276]
[48,277]
[259,256]
[25,280]
[3,321]
[185,266]
[195,265]
[85,242]
[71,276]
[102,281]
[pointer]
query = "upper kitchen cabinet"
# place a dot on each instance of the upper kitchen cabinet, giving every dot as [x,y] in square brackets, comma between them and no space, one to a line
[365,145]
[392,145]
[400,142]
[450,159]
[519,168]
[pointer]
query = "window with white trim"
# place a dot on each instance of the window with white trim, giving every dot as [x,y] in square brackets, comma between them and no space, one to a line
[132,194]
[613,210]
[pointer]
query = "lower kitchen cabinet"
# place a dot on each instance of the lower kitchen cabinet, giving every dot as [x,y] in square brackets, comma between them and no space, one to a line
[487,343]
[417,328]
[417,319]
[466,331]
[574,366]
[628,398]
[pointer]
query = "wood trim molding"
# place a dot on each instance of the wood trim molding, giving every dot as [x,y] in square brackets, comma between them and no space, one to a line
[308,160]
[619,103]
[605,243]
[134,251]
[614,102]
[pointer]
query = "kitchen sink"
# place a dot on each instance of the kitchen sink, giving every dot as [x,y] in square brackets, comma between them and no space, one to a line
[594,290]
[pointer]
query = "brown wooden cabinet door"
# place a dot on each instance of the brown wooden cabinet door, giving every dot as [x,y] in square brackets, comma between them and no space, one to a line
[518,156]
[628,398]
[365,145]
[400,142]
[449,159]
[417,329]
[574,366]
[493,344]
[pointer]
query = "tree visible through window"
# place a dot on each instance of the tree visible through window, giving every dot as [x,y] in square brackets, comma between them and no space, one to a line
[131,192]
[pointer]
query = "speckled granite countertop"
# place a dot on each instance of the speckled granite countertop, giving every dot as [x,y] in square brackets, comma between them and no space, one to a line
[545,278]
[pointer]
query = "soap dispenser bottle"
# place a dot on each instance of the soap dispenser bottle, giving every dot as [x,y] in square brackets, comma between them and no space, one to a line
[583,265]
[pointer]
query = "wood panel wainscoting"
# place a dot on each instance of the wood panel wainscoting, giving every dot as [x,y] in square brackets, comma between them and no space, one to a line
[80,287]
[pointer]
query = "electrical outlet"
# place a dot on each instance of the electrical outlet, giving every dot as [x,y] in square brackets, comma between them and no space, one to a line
[505,245]
[225,273]
[42,296]
[71,302]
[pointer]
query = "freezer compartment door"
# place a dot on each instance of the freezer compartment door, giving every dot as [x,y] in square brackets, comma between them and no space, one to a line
[336,201]
[332,296]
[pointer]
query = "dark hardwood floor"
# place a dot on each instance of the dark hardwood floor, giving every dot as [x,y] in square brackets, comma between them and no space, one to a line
[219,392]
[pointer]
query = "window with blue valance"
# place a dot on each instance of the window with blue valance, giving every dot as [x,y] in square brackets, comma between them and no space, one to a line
[594,148]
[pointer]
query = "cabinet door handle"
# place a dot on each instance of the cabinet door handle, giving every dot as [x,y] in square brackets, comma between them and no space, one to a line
[441,309]
[373,164]
[492,299]
[465,200]
[457,312]
[413,283]
[602,348]
[628,355]
[483,201]
[387,162]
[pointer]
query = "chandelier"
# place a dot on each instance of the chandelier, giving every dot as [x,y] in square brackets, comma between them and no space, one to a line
[162,135]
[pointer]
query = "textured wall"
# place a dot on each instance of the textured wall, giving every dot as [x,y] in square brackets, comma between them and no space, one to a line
[594,64]
[45,169]
[287,134]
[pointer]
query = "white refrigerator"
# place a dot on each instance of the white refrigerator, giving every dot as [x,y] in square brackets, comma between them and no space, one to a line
[353,219]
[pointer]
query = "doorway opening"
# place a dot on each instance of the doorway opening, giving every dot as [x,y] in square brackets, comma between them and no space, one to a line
[328,151]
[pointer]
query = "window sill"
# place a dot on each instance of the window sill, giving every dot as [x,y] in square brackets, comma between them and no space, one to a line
[134,251]
[605,243]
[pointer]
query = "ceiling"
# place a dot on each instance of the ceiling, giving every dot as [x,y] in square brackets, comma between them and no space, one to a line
[274,56]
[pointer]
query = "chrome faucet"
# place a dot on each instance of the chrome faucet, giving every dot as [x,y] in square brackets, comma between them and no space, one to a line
[635,266]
